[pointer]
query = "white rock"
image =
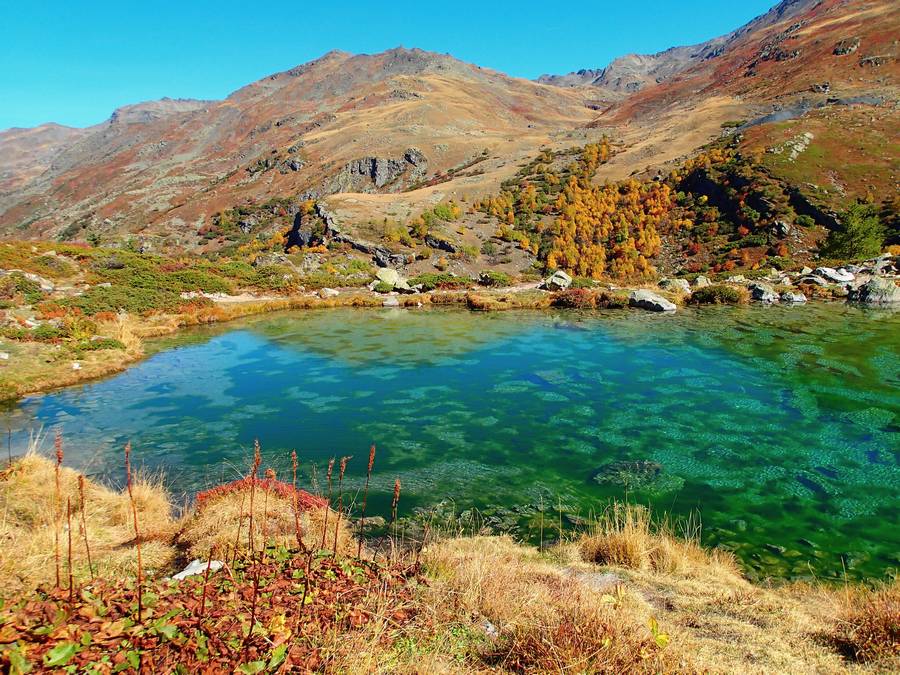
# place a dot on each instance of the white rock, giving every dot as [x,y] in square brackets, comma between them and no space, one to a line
[388,276]
[702,282]
[4,356]
[198,567]
[76,366]
[328,293]
[838,276]
[792,298]
[650,301]
[558,281]
[390,302]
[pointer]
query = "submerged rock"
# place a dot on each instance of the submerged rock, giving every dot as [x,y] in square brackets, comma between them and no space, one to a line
[793,298]
[650,301]
[640,474]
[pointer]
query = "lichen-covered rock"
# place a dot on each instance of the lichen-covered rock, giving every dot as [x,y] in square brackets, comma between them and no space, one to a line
[558,281]
[793,298]
[649,300]
[702,282]
[388,276]
[877,291]
[837,276]
[679,285]
[763,292]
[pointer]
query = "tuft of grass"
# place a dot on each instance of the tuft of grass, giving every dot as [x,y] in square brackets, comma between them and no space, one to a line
[720,294]
[868,628]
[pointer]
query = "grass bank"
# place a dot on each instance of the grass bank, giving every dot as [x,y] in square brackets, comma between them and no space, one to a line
[297,590]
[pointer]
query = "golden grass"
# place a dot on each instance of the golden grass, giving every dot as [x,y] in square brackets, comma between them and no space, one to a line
[868,628]
[222,524]
[625,535]
[27,525]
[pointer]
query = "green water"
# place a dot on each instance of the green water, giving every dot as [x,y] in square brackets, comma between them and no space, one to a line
[778,425]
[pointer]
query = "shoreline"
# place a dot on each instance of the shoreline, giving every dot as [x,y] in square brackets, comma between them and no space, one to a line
[102,364]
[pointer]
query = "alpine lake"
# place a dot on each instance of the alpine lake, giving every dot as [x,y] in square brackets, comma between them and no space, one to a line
[776,427]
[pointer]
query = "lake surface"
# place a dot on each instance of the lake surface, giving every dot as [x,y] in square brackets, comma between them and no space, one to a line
[779,426]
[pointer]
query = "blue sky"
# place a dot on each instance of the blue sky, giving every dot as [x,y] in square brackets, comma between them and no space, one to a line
[73,62]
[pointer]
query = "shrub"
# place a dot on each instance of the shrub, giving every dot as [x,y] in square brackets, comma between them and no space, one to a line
[575,298]
[383,287]
[720,294]
[583,282]
[494,278]
[116,297]
[94,345]
[488,248]
[430,281]
[861,234]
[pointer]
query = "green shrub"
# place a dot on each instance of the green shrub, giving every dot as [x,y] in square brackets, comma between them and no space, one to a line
[583,282]
[489,248]
[720,294]
[94,345]
[383,287]
[861,234]
[117,297]
[804,221]
[494,278]
[431,280]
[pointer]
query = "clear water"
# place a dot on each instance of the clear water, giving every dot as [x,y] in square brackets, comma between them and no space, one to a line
[778,425]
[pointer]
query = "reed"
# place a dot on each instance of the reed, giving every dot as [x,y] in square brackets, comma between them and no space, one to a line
[327,506]
[340,509]
[394,501]
[84,532]
[257,460]
[362,520]
[58,502]
[296,502]
[137,532]
[71,573]
[202,612]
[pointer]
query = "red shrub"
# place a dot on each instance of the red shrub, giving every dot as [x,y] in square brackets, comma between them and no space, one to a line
[304,499]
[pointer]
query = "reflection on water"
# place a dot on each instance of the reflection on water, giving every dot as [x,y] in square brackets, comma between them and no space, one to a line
[780,425]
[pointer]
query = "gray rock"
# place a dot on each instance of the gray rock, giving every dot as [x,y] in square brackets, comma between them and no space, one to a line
[806,271]
[390,302]
[438,243]
[328,293]
[702,282]
[813,279]
[650,301]
[388,276]
[558,281]
[877,291]
[837,276]
[883,265]
[679,285]
[781,229]
[793,298]
[763,292]
[736,279]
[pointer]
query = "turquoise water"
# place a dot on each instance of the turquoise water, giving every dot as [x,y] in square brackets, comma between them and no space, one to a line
[778,425]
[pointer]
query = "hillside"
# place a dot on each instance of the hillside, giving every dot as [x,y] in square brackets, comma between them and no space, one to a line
[358,149]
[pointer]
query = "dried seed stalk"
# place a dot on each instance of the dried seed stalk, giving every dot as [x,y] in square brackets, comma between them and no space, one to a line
[362,520]
[340,509]
[84,531]
[58,505]
[327,506]
[137,532]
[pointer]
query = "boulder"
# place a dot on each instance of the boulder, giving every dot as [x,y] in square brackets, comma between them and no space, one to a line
[390,302]
[736,279]
[439,243]
[793,298]
[388,276]
[806,271]
[650,301]
[763,292]
[558,281]
[837,276]
[328,293]
[883,265]
[877,291]
[679,285]
[813,280]
[702,282]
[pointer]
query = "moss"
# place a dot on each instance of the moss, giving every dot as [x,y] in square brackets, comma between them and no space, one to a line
[720,294]
[430,281]
[494,278]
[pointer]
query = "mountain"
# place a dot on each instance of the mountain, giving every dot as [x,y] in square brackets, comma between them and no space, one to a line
[384,137]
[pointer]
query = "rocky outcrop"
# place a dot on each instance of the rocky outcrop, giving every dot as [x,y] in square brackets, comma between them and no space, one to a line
[379,172]
[835,276]
[877,291]
[439,243]
[793,298]
[846,46]
[702,282]
[649,300]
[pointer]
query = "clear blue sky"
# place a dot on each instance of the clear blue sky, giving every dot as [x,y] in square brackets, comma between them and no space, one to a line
[74,61]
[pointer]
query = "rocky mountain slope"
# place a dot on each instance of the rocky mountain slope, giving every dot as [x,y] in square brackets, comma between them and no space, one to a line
[378,140]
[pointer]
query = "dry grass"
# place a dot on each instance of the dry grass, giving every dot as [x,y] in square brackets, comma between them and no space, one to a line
[542,619]
[27,528]
[868,628]
[625,535]
[223,522]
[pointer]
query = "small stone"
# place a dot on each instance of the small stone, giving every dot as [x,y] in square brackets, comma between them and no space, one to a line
[390,302]
[197,567]
[702,282]
[328,293]
[4,356]
[678,285]
[793,298]
[76,366]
